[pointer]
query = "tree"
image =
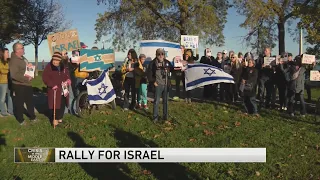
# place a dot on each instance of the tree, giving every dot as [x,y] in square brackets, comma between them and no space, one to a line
[310,21]
[278,11]
[10,19]
[263,36]
[127,21]
[40,18]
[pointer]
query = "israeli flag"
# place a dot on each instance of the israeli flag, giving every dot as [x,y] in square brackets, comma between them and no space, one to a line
[198,75]
[100,90]
[149,47]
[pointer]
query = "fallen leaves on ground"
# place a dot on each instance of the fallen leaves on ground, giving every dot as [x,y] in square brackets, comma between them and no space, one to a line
[192,139]
[230,172]
[142,132]
[237,123]
[168,123]
[5,131]
[197,125]
[67,126]
[208,133]
[93,138]
[81,131]
[18,139]
[106,112]
[168,128]
[156,135]
[95,124]
[243,145]
[82,123]
[129,116]
[204,123]
[258,173]
[317,147]
[146,172]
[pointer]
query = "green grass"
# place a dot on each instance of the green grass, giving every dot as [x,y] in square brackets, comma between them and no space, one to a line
[293,150]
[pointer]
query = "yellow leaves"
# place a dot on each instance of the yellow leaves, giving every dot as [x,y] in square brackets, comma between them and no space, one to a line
[143,132]
[204,123]
[230,172]
[168,123]
[237,123]
[258,173]
[192,140]
[208,133]
[81,131]
[168,128]
[93,138]
[156,136]
[5,131]
[146,172]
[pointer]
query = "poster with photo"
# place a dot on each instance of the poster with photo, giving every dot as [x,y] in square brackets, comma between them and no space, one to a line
[30,69]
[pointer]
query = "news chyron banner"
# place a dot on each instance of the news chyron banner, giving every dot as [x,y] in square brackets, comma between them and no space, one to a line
[139,155]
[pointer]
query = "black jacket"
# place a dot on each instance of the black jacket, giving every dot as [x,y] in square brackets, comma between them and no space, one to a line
[206,60]
[250,74]
[151,71]
[265,73]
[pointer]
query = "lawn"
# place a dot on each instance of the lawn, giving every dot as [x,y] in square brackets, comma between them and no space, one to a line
[293,144]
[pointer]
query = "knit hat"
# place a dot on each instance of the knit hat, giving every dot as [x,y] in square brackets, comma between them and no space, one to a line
[57,56]
[142,56]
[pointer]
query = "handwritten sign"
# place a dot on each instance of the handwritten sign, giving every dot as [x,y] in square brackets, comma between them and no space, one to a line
[64,41]
[268,61]
[96,60]
[314,75]
[190,42]
[308,59]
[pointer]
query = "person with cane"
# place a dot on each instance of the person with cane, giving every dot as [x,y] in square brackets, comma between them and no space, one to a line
[157,74]
[56,77]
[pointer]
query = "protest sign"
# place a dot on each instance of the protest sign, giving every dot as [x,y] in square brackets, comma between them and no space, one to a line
[149,47]
[96,60]
[30,69]
[314,75]
[308,59]
[268,61]
[64,41]
[190,42]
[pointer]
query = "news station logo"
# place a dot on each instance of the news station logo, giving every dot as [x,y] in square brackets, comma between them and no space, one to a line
[34,155]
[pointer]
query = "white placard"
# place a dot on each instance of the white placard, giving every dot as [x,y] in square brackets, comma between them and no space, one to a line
[178,62]
[30,69]
[269,60]
[314,75]
[160,155]
[149,48]
[65,90]
[308,59]
[190,42]
[75,57]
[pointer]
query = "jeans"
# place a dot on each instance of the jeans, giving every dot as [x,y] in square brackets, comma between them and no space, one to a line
[129,86]
[72,102]
[159,92]
[250,104]
[5,100]
[142,94]
[292,95]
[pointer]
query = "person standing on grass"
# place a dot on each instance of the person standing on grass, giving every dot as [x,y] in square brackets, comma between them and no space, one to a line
[296,86]
[248,87]
[207,58]
[129,81]
[6,108]
[141,82]
[56,77]
[21,85]
[156,73]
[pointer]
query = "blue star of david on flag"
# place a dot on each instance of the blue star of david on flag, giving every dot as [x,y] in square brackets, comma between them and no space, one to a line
[97,58]
[209,71]
[103,89]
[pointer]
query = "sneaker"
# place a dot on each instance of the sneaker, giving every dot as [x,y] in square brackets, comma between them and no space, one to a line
[145,107]
[285,108]
[23,123]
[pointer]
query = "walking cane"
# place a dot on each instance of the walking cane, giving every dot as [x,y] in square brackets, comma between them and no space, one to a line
[54,109]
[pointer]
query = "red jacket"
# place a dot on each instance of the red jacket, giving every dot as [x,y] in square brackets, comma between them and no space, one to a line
[53,77]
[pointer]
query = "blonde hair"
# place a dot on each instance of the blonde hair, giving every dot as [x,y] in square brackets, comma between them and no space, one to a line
[236,61]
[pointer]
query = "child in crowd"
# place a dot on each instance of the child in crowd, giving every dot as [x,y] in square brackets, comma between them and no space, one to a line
[141,82]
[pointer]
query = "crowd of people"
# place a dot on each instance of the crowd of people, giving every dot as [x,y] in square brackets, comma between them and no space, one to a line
[253,80]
